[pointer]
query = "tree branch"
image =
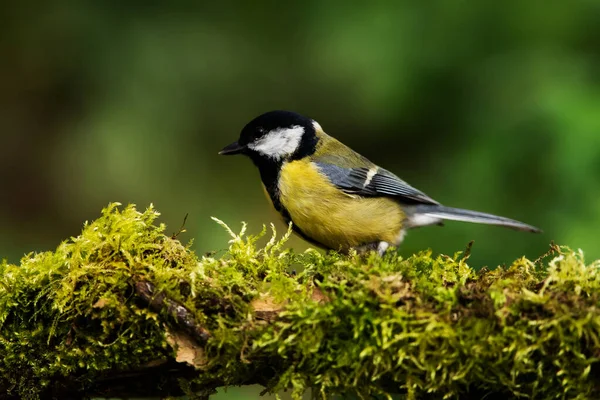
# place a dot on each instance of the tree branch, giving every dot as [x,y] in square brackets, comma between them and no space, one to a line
[124,310]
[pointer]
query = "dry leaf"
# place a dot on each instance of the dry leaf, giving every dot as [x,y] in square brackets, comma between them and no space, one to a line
[100,303]
[266,308]
[319,296]
[187,350]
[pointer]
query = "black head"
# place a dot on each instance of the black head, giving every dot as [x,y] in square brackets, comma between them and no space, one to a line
[277,136]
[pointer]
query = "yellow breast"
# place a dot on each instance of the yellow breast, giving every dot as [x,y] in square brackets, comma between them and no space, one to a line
[331,217]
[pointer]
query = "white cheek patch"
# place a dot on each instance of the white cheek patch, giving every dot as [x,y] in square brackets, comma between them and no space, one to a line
[279,142]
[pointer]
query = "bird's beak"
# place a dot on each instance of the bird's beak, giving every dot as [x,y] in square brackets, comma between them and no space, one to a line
[233,148]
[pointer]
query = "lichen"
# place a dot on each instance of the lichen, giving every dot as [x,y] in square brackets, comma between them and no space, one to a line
[426,326]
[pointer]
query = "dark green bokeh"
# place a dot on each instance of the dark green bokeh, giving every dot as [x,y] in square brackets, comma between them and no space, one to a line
[482,105]
[488,106]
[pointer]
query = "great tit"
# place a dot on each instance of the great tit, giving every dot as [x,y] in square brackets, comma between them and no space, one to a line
[335,197]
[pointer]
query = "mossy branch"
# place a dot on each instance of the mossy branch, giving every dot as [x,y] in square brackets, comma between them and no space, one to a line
[124,310]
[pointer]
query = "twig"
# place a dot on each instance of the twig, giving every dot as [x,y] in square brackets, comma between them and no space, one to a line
[160,302]
[181,229]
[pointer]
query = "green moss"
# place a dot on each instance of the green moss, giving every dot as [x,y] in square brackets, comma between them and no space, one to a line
[425,327]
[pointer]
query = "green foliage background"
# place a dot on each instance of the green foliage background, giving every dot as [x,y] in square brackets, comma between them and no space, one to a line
[493,106]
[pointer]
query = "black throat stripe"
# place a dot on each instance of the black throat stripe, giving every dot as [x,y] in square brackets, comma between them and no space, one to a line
[269,174]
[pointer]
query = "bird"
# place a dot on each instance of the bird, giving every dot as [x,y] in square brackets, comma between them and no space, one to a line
[334,197]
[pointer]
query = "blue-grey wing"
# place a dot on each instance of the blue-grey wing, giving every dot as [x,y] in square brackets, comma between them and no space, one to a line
[372,182]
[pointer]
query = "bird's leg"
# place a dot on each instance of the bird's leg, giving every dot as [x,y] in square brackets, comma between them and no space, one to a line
[365,248]
[380,247]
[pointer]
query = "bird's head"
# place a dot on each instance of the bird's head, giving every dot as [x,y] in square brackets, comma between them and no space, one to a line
[276,136]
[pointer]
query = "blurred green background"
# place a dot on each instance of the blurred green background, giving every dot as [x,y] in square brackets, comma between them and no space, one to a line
[482,105]
[493,106]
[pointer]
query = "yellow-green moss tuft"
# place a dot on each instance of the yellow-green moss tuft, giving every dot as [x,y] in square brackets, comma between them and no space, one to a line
[423,327]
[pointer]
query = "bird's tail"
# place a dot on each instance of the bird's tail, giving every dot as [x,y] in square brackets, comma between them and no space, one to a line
[432,213]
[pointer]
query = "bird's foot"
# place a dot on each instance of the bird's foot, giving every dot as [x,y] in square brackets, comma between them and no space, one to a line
[379,247]
[382,247]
